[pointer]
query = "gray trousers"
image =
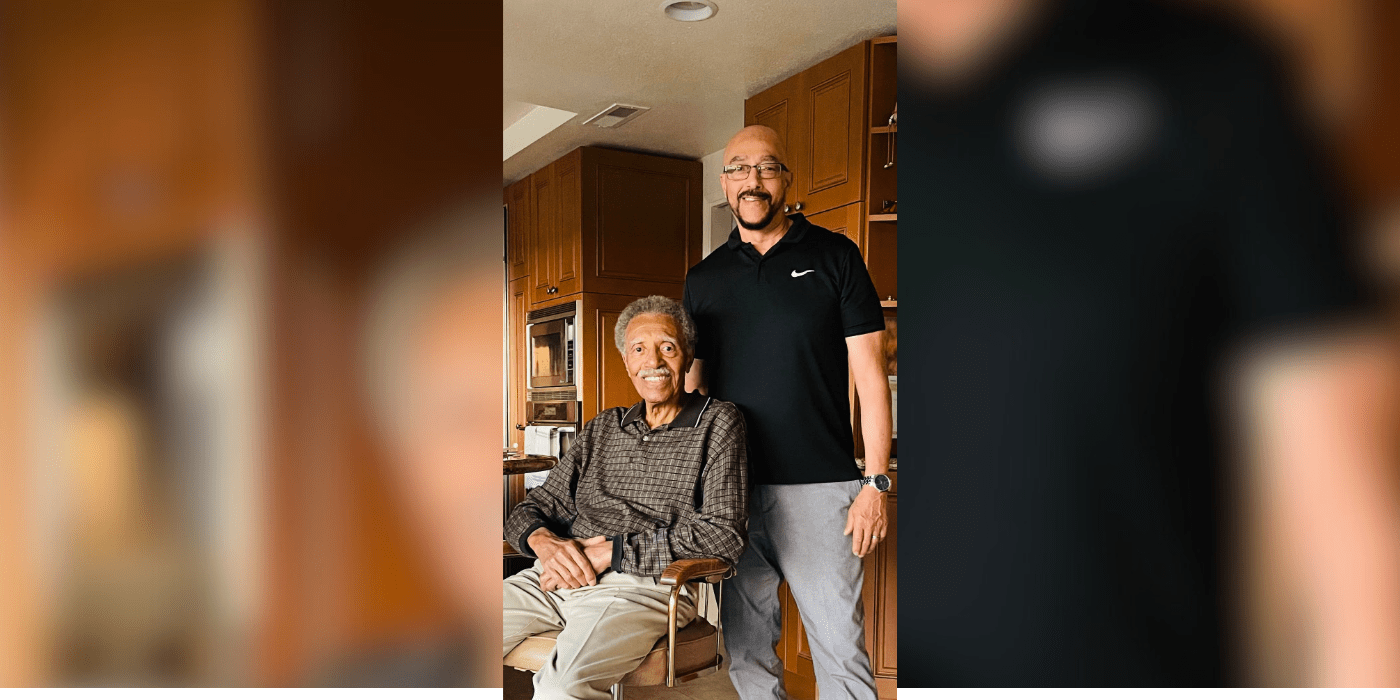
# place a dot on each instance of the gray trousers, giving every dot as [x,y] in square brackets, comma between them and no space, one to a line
[605,630]
[795,535]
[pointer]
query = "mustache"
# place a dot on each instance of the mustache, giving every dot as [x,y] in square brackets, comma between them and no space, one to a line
[655,372]
[759,193]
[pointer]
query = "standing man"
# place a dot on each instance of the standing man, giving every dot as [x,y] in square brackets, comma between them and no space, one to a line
[783,309]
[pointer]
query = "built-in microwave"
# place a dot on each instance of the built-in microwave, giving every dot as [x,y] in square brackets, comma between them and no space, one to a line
[553,348]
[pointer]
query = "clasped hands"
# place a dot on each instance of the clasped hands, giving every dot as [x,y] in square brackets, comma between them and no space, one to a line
[569,563]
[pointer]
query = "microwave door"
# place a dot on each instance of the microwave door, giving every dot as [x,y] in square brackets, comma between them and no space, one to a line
[548,350]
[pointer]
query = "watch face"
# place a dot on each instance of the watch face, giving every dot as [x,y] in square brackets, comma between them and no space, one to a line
[882,482]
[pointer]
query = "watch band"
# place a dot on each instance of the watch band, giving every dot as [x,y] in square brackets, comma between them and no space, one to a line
[870,481]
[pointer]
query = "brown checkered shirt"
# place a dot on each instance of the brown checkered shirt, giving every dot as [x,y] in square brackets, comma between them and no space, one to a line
[678,491]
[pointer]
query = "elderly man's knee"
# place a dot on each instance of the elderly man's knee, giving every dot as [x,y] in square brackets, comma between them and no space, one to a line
[565,686]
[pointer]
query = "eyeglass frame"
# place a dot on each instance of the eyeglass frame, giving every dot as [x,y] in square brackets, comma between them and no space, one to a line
[739,167]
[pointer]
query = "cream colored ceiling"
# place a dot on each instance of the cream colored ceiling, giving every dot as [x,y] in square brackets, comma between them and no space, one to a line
[583,56]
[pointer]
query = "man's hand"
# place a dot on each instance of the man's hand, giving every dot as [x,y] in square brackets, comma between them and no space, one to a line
[562,560]
[865,521]
[599,552]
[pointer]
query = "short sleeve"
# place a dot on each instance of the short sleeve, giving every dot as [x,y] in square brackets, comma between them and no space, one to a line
[860,304]
[1286,243]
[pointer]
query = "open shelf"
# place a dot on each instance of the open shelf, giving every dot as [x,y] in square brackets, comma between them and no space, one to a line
[890,303]
[884,129]
[884,217]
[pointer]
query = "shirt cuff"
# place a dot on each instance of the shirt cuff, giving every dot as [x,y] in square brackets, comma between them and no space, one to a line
[524,544]
[619,542]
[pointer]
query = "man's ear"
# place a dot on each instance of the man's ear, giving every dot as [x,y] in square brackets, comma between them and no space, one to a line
[688,362]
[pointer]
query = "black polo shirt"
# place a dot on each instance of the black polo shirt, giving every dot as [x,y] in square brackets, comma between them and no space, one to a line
[1079,301]
[773,332]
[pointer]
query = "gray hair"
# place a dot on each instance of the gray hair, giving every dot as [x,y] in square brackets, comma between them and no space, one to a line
[656,304]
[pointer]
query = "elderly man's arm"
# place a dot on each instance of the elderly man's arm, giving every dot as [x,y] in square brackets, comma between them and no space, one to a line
[1324,419]
[538,525]
[718,528]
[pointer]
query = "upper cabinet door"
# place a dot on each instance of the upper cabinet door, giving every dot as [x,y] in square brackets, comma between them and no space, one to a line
[518,220]
[641,222]
[567,243]
[833,96]
[846,221]
[781,108]
[543,233]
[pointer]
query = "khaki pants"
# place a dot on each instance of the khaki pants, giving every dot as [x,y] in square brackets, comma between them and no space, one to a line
[605,629]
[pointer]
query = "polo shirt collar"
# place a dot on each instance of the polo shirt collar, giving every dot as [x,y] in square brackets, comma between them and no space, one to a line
[795,232]
[689,417]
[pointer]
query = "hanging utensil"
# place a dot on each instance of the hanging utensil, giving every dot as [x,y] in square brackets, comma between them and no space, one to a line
[893,123]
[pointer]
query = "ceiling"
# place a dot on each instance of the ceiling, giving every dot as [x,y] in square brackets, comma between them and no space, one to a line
[584,55]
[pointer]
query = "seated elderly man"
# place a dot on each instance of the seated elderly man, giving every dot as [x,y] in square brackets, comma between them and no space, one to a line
[666,479]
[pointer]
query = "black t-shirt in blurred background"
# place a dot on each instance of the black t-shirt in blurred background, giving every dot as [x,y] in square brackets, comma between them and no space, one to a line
[1087,235]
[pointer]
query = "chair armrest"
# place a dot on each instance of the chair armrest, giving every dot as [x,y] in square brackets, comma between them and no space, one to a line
[686,570]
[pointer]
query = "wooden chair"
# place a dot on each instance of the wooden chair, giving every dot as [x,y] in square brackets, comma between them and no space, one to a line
[682,655]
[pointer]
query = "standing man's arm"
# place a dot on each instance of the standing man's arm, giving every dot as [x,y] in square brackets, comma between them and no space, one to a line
[867,514]
[1323,420]
[695,378]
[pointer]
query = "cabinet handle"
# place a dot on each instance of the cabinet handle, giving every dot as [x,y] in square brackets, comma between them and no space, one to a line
[787,209]
[797,207]
[519,426]
[553,290]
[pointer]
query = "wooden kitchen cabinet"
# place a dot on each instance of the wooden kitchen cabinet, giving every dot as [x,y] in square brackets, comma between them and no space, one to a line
[821,113]
[844,220]
[604,227]
[605,380]
[554,234]
[613,222]
[780,109]
[518,230]
[880,596]
[517,305]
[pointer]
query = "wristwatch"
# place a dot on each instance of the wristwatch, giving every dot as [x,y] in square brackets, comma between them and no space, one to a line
[879,481]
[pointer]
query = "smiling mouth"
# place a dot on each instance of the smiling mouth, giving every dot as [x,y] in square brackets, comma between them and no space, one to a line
[754,197]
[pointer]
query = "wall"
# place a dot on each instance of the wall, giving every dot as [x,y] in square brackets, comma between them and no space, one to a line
[713,195]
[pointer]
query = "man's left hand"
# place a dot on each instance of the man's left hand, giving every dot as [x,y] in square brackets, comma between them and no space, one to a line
[865,521]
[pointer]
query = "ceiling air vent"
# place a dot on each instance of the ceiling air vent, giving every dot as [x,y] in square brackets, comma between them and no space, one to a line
[616,116]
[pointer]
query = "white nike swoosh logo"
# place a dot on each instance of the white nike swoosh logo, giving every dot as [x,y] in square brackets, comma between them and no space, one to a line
[795,273]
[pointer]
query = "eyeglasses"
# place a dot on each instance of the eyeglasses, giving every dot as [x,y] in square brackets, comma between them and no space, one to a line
[766,171]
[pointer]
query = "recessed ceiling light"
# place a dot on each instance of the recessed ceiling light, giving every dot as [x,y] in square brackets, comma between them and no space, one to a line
[689,10]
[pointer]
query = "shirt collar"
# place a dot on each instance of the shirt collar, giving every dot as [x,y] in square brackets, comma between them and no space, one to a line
[795,232]
[694,404]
